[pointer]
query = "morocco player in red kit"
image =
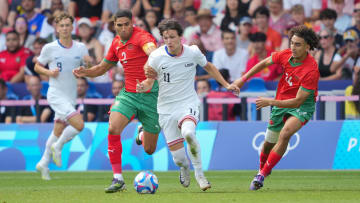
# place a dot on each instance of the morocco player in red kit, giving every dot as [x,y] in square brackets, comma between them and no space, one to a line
[294,103]
[131,47]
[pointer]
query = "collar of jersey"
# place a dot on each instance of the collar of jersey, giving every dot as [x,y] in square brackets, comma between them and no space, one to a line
[63,45]
[173,55]
[294,64]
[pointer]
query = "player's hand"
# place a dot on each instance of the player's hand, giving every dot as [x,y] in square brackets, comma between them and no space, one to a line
[141,86]
[262,102]
[150,73]
[79,72]
[235,89]
[54,73]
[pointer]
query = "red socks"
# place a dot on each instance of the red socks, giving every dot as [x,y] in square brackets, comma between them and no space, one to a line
[263,158]
[115,151]
[273,159]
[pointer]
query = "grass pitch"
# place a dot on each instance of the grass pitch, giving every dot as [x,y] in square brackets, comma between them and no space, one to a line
[227,186]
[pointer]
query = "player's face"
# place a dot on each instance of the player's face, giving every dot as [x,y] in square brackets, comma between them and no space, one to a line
[298,47]
[124,27]
[64,28]
[12,42]
[172,41]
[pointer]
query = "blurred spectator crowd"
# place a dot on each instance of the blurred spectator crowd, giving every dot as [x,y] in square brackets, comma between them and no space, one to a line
[233,34]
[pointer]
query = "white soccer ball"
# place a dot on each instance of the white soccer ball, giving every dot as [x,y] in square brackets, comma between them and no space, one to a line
[146,183]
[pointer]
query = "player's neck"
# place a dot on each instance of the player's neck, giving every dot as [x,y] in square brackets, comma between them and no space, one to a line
[178,51]
[66,42]
[299,59]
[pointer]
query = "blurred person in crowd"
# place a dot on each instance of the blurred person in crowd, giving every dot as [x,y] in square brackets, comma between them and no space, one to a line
[343,20]
[4,5]
[110,7]
[231,57]
[2,36]
[328,18]
[190,18]
[151,19]
[16,9]
[348,8]
[356,19]
[325,56]
[141,23]
[62,56]
[232,15]
[270,73]
[21,27]
[349,58]
[178,12]
[104,110]
[244,29]
[34,19]
[116,87]
[285,42]
[209,34]
[6,112]
[29,68]
[352,108]
[297,13]
[48,25]
[161,7]
[261,18]
[203,87]
[27,114]
[278,17]
[311,8]
[86,34]
[86,8]
[107,35]
[82,90]
[13,59]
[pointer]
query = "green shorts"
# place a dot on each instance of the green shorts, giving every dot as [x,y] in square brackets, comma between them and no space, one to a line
[142,105]
[280,115]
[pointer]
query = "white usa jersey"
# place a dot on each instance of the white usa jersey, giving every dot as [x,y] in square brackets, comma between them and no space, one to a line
[66,59]
[176,76]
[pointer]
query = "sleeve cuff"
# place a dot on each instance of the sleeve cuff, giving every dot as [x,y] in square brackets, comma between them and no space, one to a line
[307,90]
[111,62]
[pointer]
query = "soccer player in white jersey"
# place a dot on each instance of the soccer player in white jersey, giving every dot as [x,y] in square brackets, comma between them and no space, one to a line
[62,55]
[174,65]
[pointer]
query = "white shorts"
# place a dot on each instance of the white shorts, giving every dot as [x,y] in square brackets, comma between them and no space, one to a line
[171,123]
[64,108]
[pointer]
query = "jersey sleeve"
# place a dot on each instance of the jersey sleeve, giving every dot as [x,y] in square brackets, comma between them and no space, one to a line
[310,81]
[145,38]
[275,57]
[152,62]
[111,56]
[199,57]
[45,55]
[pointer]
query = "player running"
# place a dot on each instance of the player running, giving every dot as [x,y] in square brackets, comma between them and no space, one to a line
[294,103]
[174,65]
[131,47]
[62,55]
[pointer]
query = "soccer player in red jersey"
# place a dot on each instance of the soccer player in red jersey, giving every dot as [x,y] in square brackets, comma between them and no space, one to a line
[131,47]
[295,99]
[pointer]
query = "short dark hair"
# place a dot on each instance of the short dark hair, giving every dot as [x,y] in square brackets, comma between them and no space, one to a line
[12,32]
[61,16]
[123,13]
[170,24]
[227,31]
[40,40]
[2,83]
[258,37]
[262,10]
[225,74]
[307,34]
[328,14]
[191,8]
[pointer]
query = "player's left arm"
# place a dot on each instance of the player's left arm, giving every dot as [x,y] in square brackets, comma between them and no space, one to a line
[296,102]
[214,72]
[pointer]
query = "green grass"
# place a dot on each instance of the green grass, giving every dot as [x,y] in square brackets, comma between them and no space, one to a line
[227,186]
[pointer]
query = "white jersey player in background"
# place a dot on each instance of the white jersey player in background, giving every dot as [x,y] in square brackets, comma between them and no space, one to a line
[62,55]
[174,65]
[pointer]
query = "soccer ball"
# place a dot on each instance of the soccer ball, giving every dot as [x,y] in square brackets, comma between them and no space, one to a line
[146,183]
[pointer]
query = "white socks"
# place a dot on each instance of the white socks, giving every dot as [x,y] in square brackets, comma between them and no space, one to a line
[118,176]
[193,147]
[180,159]
[46,157]
[68,134]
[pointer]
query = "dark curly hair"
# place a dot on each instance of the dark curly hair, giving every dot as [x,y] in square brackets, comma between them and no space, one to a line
[170,24]
[307,34]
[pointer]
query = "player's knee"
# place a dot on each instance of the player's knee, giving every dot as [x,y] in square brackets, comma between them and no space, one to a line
[113,129]
[285,134]
[79,126]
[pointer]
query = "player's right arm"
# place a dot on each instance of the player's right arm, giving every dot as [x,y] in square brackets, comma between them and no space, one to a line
[93,71]
[257,68]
